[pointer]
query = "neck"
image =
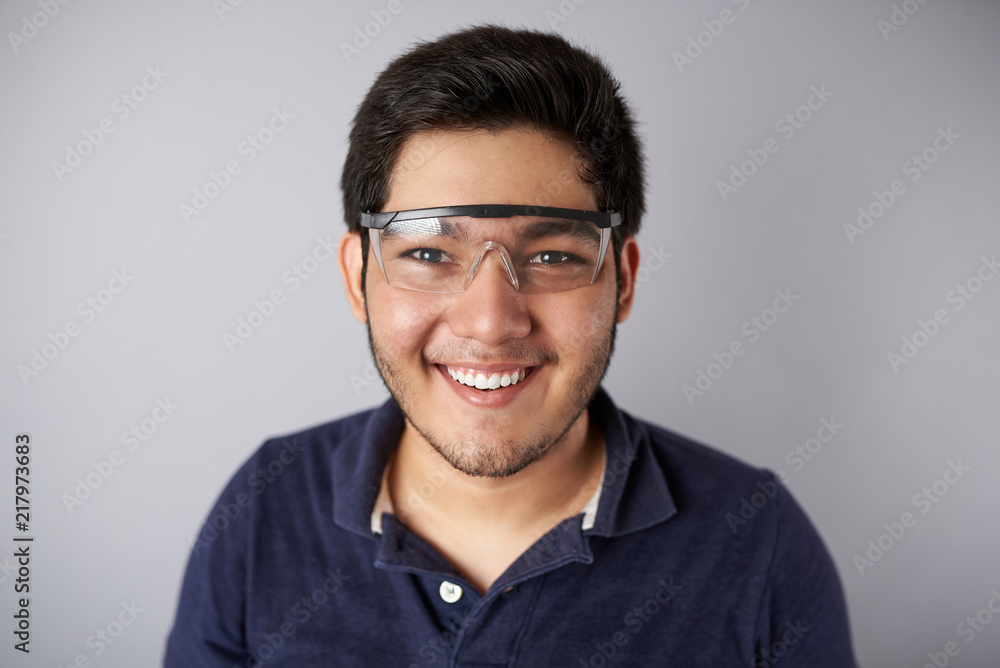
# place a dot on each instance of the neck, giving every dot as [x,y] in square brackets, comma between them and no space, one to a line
[425,488]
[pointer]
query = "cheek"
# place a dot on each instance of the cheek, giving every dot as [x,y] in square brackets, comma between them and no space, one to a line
[401,321]
[577,324]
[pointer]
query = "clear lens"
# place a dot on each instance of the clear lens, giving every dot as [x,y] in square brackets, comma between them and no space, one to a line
[537,254]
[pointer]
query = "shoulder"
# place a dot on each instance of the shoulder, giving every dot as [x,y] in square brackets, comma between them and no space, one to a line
[312,446]
[738,525]
[287,465]
[743,510]
[699,475]
[320,440]
[738,508]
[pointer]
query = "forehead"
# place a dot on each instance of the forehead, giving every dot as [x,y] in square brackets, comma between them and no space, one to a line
[515,166]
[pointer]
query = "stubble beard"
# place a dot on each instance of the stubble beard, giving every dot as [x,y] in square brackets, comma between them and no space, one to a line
[480,456]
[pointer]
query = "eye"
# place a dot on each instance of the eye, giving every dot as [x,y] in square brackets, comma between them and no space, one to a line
[552,257]
[429,255]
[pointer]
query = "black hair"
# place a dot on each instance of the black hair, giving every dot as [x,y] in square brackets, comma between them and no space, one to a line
[495,78]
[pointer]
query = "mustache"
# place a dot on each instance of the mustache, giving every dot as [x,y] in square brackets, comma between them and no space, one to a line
[514,352]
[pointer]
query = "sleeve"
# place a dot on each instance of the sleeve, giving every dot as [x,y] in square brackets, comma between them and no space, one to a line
[803,617]
[208,630]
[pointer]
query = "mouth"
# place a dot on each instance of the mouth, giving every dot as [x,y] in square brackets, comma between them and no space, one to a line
[487,379]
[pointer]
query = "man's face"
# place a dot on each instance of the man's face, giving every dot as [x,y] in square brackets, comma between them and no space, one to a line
[557,343]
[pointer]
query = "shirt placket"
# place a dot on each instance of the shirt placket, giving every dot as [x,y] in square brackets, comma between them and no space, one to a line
[481,630]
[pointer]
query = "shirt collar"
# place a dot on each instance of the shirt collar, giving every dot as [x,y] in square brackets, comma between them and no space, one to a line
[383,503]
[633,493]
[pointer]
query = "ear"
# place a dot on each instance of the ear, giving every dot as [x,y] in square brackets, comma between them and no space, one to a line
[629,269]
[350,260]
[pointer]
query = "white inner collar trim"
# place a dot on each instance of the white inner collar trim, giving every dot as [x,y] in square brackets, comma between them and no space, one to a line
[590,510]
[383,502]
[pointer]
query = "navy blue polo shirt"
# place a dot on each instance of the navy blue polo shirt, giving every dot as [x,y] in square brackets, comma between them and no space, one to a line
[692,559]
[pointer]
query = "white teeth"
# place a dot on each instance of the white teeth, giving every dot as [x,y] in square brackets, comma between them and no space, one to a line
[482,381]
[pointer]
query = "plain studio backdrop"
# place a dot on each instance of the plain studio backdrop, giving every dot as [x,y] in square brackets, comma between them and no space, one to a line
[822,191]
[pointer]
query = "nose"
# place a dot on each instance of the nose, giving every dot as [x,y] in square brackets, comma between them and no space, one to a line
[490,310]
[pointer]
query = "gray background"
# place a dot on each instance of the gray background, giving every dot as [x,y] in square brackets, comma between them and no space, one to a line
[162,336]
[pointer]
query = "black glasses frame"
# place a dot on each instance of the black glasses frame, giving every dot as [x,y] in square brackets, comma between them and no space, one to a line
[377,222]
[602,219]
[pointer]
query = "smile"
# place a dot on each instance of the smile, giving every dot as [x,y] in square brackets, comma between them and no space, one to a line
[487,380]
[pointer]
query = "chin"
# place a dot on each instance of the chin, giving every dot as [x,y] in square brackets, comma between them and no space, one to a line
[478,456]
[489,460]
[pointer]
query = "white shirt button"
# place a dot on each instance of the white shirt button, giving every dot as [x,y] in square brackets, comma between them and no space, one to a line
[450,592]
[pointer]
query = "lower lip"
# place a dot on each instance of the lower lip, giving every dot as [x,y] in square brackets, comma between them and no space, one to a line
[497,398]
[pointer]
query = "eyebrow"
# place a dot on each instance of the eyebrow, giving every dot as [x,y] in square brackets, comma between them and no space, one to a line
[558,228]
[428,226]
[460,231]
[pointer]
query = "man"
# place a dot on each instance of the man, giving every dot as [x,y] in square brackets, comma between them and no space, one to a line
[500,510]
